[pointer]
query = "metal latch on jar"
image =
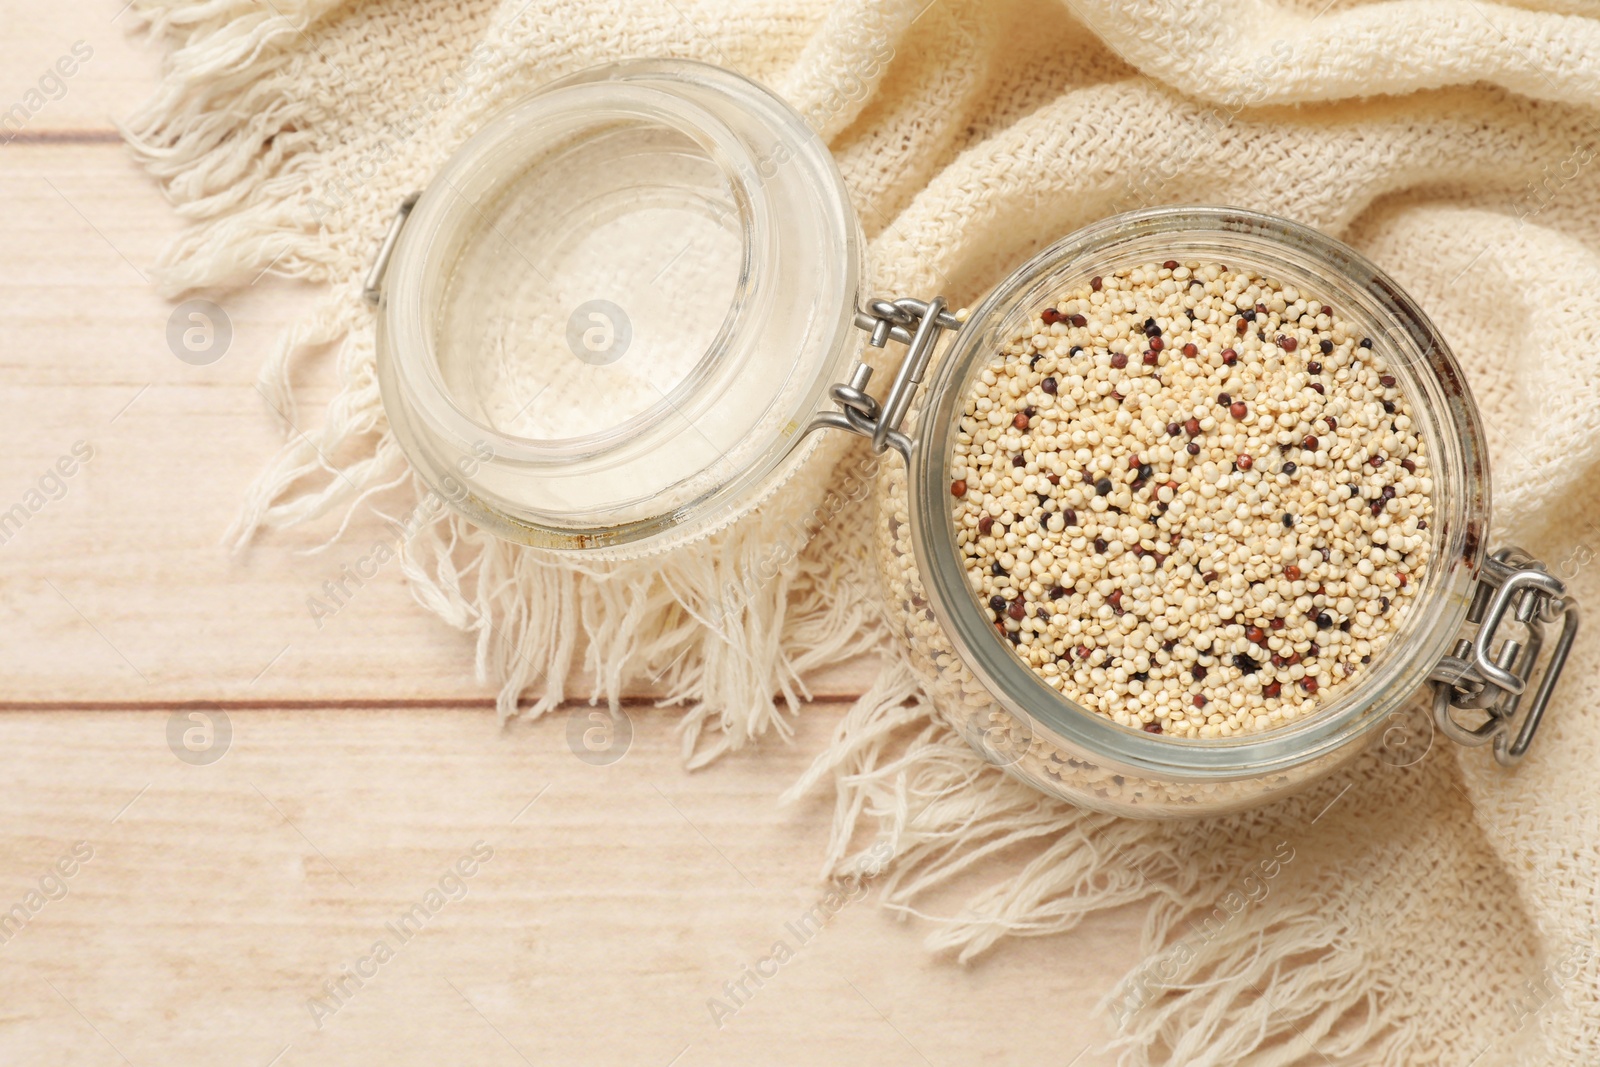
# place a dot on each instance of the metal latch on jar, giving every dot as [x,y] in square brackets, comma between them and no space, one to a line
[1480,677]
[372,285]
[917,324]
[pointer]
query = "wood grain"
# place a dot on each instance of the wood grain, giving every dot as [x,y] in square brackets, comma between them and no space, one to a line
[364,758]
[220,898]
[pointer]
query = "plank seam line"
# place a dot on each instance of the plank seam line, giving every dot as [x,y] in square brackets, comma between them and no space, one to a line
[26,138]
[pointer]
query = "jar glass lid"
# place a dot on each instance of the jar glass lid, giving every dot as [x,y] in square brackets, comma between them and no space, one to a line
[620,302]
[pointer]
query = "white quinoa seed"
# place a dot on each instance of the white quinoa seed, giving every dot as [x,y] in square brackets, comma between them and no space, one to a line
[1193,501]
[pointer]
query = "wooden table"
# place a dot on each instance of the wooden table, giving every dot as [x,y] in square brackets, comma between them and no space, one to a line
[365,763]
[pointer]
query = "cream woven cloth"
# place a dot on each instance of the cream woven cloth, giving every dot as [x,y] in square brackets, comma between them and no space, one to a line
[1441,912]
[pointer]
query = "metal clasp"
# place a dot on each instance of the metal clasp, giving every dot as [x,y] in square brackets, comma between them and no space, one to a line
[917,324]
[372,285]
[1481,676]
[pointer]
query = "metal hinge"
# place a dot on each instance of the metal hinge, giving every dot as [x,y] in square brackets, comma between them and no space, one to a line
[1481,677]
[372,285]
[917,324]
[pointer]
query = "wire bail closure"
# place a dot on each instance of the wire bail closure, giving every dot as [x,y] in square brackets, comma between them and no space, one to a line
[1478,676]
[372,284]
[917,324]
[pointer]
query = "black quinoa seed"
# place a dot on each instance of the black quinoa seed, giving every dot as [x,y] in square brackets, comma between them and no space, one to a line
[1103,487]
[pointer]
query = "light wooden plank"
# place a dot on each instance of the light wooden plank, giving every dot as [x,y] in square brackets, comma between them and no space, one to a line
[121,588]
[219,898]
[74,66]
[120,591]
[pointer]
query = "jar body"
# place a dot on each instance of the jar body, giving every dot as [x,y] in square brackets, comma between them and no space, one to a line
[1005,710]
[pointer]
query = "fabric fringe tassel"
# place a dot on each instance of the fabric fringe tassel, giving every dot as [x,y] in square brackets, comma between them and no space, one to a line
[727,630]
[1020,864]
[1210,1008]
[947,814]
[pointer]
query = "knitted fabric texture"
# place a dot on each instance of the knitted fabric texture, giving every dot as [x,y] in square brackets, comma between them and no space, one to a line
[1431,911]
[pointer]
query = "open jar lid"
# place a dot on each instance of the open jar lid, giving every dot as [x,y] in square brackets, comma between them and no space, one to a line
[609,319]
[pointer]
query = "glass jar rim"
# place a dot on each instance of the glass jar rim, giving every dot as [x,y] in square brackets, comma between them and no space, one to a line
[1458,541]
[430,231]
[779,177]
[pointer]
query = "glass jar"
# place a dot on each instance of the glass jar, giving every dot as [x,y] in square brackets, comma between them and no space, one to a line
[527,413]
[606,324]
